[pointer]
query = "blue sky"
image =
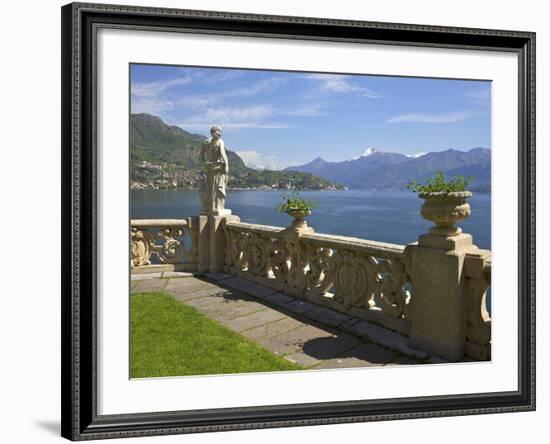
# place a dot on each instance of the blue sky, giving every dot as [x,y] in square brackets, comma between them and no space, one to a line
[275,119]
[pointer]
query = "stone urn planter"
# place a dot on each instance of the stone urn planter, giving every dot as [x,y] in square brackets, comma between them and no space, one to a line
[299,215]
[445,209]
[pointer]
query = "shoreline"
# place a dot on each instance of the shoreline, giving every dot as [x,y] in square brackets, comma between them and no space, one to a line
[286,189]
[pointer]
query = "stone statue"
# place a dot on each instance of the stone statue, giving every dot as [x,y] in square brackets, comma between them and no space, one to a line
[216,174]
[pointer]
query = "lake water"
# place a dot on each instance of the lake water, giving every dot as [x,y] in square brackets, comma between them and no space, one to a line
[386,216]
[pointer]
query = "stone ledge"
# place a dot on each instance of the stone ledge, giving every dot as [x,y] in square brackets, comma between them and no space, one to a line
[327,316]
[382,336]
[218,276]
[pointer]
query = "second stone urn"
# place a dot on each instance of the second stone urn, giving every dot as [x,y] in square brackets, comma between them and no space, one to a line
[445,209]
[299,215]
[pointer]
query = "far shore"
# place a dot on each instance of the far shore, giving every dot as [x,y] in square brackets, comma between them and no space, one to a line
[288,189]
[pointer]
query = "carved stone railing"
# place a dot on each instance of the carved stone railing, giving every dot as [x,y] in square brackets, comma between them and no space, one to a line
[362,278]
[477,270]
[162,241]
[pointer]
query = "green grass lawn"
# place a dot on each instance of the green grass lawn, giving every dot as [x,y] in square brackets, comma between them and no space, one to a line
[169,338]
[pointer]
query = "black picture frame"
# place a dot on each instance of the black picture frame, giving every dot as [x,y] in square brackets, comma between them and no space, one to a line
[79,395]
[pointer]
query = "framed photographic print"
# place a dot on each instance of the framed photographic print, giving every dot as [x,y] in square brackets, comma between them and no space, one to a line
[276,221]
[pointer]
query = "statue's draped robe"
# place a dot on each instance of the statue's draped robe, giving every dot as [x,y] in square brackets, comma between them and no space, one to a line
[214,181]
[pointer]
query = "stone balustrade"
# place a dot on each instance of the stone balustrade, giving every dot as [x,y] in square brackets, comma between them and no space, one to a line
[433,291]
[161,241]
[362,278]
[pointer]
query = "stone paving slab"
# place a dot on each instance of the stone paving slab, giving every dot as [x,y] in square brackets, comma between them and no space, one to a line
[188,283]
[319,350]
[226,310]
[294,340]
[189,295]
[202,292]
[176,274]
[365,355]
[252,320]
[204,302]
[248,287]
[303,359]
[331,347]
[145,276]
[272,329]
[150,285]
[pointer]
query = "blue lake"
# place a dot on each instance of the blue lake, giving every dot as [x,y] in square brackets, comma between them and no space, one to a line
[386,216]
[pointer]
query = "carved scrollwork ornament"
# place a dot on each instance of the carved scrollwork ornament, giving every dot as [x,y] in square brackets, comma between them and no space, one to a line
[279,259]
[351,280]
[391,296]
[142,245]
[257,255]
[319,276]
[296,276]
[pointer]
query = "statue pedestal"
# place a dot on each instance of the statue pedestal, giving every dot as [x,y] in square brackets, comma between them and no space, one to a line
[438,305]
[224,212]
[212,240]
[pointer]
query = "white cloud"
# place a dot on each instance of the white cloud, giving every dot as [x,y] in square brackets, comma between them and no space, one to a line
[153,89]
[431,118]
[153,94]
[306,110]
[255,88]
[343,85]
[256,116]
[193,102]
[370,151]
[210,78]
[254,159]
[150,105]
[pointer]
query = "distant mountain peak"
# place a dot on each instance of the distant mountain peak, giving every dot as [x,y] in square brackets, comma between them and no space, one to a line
[318,160]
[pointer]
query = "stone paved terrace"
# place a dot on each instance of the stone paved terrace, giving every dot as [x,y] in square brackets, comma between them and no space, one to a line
[312,336]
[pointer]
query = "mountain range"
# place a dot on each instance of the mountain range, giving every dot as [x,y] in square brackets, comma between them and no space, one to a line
[166,156]
[387,170]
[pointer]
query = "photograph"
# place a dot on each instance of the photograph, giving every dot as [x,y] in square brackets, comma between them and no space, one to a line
[306,221]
